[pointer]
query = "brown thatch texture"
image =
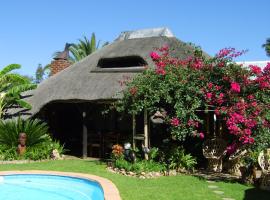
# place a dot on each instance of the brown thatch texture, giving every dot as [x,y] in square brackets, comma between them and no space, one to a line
[81,81]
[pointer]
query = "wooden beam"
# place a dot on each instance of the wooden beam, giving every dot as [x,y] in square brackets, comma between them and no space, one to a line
[133,130]
[146,138]
[84,137]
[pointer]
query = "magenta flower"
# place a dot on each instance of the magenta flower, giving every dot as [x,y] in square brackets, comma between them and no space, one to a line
[255,69]
[201,135]
[235,87]
[160,71]
[175,121]
[208,95]
[154,55]
[231,148]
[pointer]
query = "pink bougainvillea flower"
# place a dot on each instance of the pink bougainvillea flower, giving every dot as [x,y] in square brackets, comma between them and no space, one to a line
[161,64]
[210,85]
[175,121]
[197,64]
[193,123]
[201,135]
[231,148]
[209,95]
[250,97]
[235,87]
[160,71]
[266,70]
[154,55]
[255,69]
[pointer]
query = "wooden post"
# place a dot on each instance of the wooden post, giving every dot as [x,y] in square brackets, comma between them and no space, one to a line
[146,139]
[207,122]
[133,130]
[84,138]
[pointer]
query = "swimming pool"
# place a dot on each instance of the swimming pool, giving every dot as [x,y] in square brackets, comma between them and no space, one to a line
[48,187]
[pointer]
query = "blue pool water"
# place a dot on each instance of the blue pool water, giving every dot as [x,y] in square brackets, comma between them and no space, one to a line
[48,187]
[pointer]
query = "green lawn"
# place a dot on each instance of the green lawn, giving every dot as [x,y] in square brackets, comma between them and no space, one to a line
[180,187]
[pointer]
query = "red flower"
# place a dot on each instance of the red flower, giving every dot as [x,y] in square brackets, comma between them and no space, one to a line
[133,90]
[154,55]
[175,121]
[235,87]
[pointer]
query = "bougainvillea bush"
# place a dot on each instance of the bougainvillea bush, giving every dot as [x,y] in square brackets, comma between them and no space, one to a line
[239,96]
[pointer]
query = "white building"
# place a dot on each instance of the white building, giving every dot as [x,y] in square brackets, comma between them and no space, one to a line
[260,64]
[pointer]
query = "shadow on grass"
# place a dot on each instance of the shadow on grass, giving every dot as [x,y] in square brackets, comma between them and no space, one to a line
[256,194]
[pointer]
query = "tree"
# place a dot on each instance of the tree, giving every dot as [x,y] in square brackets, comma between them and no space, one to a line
[11,87]
[267,46]
[239,97]
[84,48]
[42,73]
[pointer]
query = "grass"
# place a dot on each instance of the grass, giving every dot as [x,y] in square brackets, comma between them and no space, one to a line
[180,187]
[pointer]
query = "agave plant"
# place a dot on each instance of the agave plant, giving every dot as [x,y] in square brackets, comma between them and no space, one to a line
[36,131]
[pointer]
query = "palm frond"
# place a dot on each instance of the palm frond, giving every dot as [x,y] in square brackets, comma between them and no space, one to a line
[9,68]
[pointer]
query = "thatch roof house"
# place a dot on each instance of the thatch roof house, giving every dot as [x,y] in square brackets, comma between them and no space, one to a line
[73,99]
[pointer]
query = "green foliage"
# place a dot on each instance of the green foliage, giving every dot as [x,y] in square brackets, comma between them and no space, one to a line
[153,153]
[36,130]
[262,142]
[174,157]
[42,73]
[139,166]
[11,87]
[83,48]
[39,144]
[180,160]
[267,46]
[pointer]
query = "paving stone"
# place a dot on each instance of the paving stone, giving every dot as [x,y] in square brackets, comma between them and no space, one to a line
[218,192]
[212,186]
[227,198]
[210,181]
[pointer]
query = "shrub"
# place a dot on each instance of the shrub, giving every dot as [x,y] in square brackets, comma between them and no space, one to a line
[239,96]
[39,143]
[176,158]
[139,166]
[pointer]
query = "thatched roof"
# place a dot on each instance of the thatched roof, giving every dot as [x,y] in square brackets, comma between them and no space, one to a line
[88,81]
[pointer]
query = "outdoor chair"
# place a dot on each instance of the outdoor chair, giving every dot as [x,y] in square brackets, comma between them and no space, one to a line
[264,162]
[234,163]
[213,151]
[95,144]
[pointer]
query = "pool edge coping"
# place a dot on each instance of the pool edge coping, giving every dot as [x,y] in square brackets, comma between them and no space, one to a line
[110,190]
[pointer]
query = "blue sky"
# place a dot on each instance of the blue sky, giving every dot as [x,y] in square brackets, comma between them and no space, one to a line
[31,31]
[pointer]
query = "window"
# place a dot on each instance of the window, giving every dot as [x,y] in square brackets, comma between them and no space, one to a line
[127,63]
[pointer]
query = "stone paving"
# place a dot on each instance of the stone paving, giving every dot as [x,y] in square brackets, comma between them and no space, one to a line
[217,190]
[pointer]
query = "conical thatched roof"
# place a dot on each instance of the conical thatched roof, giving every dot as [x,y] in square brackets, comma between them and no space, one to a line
[88,81]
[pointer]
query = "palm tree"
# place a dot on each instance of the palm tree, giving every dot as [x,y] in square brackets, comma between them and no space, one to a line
[11,87]
[42,73]
[267,46]
[84,48]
